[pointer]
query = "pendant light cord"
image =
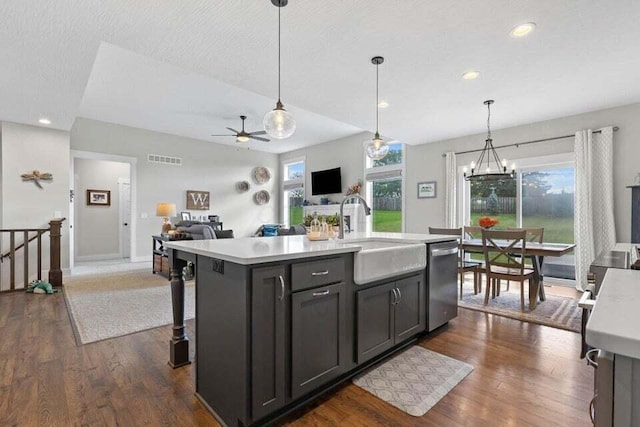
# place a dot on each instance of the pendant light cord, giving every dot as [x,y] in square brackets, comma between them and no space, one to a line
[488,121]
[279,53]
[377,99]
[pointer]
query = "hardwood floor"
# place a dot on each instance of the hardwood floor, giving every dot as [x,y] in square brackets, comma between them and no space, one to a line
[525,374]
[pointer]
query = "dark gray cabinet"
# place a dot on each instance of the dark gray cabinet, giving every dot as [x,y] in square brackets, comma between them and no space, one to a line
[375,314]
[317,337]
[410,315]
[268,348]
[388,314]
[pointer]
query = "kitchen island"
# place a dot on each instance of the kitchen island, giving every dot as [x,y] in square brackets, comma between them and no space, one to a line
[613,330]
[280,320]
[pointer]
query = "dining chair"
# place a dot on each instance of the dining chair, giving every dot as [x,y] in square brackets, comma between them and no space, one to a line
[533,235]
[464,266]
[504,259]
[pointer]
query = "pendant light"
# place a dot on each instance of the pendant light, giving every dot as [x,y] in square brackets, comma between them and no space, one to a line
[494,169]
[279,123]
[377,149]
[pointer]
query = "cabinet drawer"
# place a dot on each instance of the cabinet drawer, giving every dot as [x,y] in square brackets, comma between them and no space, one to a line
[306,275]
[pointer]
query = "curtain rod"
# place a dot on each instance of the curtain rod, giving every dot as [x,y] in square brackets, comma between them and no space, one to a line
[517,144]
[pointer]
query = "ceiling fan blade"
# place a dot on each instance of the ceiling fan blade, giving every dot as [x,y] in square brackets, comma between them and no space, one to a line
[258,132]
[223,135]
[233,130]
[258,138]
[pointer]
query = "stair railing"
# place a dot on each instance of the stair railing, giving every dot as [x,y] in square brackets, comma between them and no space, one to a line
[55,273]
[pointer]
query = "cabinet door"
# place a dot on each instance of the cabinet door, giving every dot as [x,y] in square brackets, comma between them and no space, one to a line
[375,321]
[317,337]
[410,314]
[268,303]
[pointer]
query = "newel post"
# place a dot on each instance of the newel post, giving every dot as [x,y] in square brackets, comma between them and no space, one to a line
[55,274]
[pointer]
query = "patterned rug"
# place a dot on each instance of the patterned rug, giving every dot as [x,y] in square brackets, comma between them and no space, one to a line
[556,311]
[111,305]
[415,380]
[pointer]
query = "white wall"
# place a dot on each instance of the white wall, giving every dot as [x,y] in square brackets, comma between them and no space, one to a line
[96,228]
[24,149]
[205,166]
[345,153]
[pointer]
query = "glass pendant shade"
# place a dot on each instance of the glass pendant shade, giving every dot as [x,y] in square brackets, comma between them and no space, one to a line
[279,123]
[377,149]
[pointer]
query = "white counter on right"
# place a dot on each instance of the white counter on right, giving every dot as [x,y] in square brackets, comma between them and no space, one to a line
[614,324]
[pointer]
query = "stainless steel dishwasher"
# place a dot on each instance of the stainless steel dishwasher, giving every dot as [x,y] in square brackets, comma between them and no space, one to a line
[442,283]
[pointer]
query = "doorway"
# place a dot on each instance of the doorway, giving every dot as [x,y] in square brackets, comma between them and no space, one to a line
[102,211]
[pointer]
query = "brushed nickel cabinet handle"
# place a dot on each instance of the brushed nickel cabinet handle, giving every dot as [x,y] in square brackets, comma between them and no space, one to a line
[320,273]
[319,294]
[395,297]
[281,297]
[399,295]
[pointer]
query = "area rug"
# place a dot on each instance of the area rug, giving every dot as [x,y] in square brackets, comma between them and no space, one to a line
[112,305]
[415,380]
[556,311]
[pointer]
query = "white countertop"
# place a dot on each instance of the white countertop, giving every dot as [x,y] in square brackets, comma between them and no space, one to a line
[257,250]
[614,324]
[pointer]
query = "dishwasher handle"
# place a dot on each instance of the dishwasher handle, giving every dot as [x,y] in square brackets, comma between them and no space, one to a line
[444,251]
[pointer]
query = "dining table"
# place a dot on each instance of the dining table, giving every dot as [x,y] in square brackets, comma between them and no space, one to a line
[533,250]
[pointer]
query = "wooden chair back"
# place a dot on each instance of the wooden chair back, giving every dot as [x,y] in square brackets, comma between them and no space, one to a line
[472,232]
[533,234]
[446,231]
[503,248]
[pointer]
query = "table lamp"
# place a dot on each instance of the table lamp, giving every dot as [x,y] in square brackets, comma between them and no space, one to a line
[166,210]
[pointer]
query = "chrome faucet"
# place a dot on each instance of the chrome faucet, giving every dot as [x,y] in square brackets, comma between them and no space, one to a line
[367,211]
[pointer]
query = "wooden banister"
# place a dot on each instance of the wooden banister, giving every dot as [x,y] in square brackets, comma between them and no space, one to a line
[38,235]
[55,273]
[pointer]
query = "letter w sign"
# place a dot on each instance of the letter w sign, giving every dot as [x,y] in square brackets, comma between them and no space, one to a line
[197,200]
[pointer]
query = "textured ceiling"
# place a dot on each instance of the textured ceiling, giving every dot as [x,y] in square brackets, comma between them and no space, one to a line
[582,57]
[135,90]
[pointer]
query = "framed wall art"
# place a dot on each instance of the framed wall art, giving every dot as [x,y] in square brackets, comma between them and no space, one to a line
[427,190]
[98,198]
[197,200]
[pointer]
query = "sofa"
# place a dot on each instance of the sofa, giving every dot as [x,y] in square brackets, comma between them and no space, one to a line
[203,232]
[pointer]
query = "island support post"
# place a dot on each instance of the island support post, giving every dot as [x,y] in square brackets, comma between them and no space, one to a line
[179,345]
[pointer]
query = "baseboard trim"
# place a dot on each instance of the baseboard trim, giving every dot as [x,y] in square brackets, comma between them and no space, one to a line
[146,258]
[103,257]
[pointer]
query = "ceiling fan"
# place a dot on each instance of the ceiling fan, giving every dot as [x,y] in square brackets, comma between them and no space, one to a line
[242,136]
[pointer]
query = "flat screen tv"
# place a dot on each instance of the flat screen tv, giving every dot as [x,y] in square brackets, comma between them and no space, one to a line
[326,182]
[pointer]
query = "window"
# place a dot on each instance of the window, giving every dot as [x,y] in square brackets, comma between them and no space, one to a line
[293,191]
[384,181]
[540,196]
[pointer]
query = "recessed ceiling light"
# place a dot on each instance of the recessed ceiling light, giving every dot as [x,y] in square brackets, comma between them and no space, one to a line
[523,29]
[383,104]
[44,121]
[471,75]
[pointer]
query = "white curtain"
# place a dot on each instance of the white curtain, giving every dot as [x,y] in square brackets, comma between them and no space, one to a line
[594,226]
[450,194]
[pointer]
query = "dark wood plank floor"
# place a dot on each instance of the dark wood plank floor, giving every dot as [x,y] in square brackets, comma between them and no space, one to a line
[524,374]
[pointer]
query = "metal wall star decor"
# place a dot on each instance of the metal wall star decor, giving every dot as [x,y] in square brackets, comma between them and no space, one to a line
[36,176]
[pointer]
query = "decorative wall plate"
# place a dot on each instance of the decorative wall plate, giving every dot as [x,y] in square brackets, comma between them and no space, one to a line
[242,186]
[262,197]
[261,175]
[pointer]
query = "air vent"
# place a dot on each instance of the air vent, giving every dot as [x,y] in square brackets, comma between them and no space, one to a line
[165,160]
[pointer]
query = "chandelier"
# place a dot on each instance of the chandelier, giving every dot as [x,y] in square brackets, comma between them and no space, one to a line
[494,169]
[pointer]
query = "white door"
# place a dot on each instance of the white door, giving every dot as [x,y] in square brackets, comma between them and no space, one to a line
[125,218]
